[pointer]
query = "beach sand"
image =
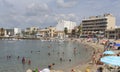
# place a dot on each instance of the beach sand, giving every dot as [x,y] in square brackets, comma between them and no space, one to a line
[89,64]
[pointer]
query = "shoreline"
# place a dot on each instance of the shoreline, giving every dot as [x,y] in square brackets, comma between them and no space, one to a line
[92,67]
[82,67]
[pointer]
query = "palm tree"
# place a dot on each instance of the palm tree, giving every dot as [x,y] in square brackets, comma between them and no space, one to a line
[65,30]
[73,32]
[2,32]
[79,30]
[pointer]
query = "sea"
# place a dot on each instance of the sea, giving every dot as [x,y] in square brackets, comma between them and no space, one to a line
[41,54]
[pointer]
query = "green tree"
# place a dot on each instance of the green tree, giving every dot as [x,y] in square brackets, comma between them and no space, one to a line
[33,32]
[79,30]
[65,30]
[73,32]
[2,32]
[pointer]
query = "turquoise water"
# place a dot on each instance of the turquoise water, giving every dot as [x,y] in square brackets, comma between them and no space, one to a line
[37,52]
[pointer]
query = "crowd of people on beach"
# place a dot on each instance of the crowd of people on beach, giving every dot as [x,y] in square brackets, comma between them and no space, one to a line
[98,53]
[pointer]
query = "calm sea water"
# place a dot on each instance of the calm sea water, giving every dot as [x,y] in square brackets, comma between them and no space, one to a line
[39,56]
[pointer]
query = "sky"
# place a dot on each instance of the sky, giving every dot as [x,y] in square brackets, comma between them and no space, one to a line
[44,13]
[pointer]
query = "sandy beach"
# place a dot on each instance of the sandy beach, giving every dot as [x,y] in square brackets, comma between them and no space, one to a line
[96,47]
[82,67]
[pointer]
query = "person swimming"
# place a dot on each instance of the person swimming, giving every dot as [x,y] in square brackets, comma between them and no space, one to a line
[18,57]
[29,62]
[23,60]
[61,59]
[31,51]
[48,54]
[69,60]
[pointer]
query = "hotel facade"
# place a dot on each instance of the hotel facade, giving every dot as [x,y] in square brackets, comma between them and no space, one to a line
[97,25]
[113,33]
[65,24]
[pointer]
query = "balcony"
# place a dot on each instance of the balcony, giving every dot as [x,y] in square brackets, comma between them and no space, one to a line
[93,25]
[92,29]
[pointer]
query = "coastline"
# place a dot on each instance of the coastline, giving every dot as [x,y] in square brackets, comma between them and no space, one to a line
[82,67]
[92,67]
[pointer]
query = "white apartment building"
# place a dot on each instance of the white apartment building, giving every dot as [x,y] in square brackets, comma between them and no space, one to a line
[63,23]
[12,32]
[17,31]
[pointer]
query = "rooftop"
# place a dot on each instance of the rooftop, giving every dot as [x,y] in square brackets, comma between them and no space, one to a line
[98,17]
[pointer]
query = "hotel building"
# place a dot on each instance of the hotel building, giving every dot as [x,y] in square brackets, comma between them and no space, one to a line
[47,32]
[113,33]
[63,23]
[96,25]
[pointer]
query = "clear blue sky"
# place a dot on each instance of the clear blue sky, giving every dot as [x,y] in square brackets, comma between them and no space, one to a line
[43,13]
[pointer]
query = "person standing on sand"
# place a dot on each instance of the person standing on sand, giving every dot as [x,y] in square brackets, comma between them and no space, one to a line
[93,59]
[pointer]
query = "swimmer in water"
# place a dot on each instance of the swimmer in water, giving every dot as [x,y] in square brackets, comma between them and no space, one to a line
[29,62]
[31,51]
[60,59]
[49,54]
[69,60]
[18,57]
[39,51]
[23,60]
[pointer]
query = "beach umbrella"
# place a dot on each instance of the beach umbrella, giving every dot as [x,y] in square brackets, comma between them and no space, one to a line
[117,44]
[108,52]
[45,70]
[112,60]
